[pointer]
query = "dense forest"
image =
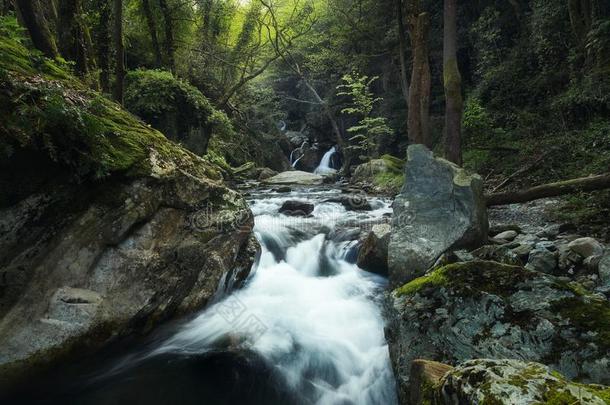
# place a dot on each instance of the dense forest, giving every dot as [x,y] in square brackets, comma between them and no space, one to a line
[121,118]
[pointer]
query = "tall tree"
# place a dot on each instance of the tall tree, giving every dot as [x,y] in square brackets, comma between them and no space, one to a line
[169,35]
[32,15]
[119,69]
[152,28]
[402,45]
[74,36]
[103,39]
[418,23]
[453,84]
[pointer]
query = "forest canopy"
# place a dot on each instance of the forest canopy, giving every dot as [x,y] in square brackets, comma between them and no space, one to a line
[497,82]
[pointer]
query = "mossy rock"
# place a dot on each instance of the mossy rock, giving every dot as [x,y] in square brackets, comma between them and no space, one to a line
[485,309]
[507,382]
[385,174]
[49,116]
[96,202]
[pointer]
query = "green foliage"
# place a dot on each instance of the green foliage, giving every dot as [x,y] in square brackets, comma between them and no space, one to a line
[17,58]
[369,129]
[175,107]
[62,122]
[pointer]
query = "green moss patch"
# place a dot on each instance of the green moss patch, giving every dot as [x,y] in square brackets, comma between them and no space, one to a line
[471,277]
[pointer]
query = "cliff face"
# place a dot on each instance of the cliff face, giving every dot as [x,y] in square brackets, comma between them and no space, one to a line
[106,227]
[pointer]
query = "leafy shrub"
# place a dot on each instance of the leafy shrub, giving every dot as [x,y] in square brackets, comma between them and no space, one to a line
[176,108]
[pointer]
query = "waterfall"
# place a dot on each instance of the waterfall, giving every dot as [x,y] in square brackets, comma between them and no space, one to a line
[325,163]
[293,163]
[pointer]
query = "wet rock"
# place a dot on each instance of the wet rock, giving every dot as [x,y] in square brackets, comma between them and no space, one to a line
[604,271]
[567,258]
[295,177]
[504,382]
[266,173]
[586,247]
[509,235]
[284,189]
[500,254]
[440,207]
[490,310]
[522,251]
[295,208]
[543,260]
[354,202]
[373,255]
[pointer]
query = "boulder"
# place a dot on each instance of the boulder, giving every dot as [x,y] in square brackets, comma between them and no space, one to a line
[295,177]
[353,202]
[501,254]
[489,310]
[586,247]
[107,231]
[295,208]
[543,260]
[603,269]
[440,207]
[504,382]
[384,174]
[373,255]
[509,235]
[266,173]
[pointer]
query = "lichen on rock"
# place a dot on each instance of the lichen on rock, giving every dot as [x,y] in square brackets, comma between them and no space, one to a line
[489,310]
[503,381]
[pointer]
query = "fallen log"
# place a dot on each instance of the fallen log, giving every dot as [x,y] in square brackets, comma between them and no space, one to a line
[590,183]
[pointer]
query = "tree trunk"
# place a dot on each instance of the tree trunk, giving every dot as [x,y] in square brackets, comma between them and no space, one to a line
[152,28]
[402,45]
[103,39]
[581,18]
[119,69]
[419,92]
[169,35]
[582,184]
[426,87]
[32,15]
[74,37]
[207,18]
[453,85]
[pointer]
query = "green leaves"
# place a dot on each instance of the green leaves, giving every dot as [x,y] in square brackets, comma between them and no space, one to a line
[367,131]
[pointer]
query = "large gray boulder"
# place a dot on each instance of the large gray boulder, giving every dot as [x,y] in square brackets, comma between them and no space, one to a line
[295,177]
[440,207]
[483,309]
[106,231]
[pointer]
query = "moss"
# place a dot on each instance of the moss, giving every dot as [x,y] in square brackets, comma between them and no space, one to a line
[471,278]
[391,179]
[51,113]
[587,313]
[19,59]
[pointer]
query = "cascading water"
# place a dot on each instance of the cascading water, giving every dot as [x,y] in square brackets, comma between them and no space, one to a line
[325,164]
[305,329]
[293,162]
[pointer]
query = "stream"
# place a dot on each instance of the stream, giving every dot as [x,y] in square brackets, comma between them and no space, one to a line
[305,329]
